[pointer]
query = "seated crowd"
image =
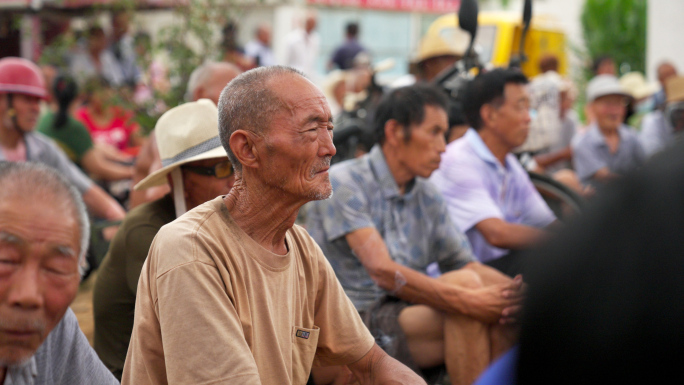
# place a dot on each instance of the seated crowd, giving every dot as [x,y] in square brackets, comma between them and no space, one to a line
[407,267]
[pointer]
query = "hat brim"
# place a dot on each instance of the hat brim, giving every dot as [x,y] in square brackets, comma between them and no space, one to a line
[611,92]
[158,177]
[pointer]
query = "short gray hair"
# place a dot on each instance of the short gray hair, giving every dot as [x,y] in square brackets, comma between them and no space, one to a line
[27,178]
[201,75]
[248,103]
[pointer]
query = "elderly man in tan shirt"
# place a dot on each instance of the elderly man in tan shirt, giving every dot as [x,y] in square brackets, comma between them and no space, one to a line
[233,291]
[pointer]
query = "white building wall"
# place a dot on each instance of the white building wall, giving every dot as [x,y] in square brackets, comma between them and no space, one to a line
[664,32]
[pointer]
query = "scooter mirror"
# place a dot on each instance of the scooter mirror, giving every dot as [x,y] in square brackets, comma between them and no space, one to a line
[467,17]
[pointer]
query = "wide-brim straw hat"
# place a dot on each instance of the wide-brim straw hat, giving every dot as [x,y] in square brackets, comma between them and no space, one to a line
[636,85]
[185,134]
[675,89]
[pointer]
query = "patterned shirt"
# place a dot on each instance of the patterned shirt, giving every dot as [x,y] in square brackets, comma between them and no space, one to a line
[415,226]
[590,153]
[477,186]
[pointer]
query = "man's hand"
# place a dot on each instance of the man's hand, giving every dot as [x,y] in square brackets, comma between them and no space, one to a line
[495,303]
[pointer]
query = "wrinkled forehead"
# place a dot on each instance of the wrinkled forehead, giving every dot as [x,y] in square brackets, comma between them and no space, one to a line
[298,94]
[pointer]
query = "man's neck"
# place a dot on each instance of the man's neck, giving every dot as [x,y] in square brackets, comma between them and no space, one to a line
[263,213]
[608,131]
[495,145]
[9,137]
[399,172]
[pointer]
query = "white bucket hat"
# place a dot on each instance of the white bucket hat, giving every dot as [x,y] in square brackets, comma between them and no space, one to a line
[185,134]
[603,85]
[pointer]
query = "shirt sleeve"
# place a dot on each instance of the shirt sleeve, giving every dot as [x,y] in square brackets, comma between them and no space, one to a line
[58,160]
[346,211]
[343,338]
[466,195]
[450,246]
[585,159]
[70,356]
[649,137]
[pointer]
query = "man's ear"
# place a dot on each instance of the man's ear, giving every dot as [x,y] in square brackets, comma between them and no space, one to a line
[487,114]
[244,147]
[394,132]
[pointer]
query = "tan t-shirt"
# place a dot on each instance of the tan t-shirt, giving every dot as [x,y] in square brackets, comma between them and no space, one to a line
[214,306]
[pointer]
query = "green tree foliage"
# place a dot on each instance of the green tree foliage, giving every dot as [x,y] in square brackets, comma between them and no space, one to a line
[616,28]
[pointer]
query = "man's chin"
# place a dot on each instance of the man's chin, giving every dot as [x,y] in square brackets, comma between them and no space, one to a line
[15,356]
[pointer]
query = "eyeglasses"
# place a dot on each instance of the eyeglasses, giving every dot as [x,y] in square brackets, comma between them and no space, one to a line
[220,170]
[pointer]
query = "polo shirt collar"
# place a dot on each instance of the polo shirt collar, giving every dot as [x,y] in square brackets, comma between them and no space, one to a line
[597,138]
[388,186]
[482,151]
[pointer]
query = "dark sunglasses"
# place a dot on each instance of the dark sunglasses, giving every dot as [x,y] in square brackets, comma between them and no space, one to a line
[220,170]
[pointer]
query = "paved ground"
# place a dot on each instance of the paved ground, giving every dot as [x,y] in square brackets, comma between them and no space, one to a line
[83,306]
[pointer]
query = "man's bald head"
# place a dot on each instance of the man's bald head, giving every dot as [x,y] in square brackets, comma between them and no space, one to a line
[665,71]
[209,80]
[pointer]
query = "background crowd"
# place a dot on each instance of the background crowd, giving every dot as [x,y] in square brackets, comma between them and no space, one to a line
[433,202]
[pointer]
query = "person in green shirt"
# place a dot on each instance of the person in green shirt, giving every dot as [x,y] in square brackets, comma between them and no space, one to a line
[73,137]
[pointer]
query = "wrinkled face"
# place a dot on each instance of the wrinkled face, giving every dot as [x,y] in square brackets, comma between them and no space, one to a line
[39,248]
[423,152]
[510,122]
[202,188]
[25,109]
[610,111]
[297,148]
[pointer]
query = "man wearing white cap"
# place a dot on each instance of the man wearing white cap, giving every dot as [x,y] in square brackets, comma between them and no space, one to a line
[233,292]
[608,148]
[196,167]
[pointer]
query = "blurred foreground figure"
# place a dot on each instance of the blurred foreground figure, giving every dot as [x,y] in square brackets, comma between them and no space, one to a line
[44,234]
[233,291]
[605,300]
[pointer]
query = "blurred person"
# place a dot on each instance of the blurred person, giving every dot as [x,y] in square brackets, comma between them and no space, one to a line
[235,278]
[206,82]
[44,231]
[559,156]
[489,195]
[122,48]
[302,47]
[343,57]
[22,86]
[608,148]
[232,51]
[108,123]
[661,128]
[383,227]
[604,65]
[72,136]
[664,72]
[603,298]
[545,126]
[95,60]
[641,92]
[154,77]
[438,51]
[196,169]
[259,48]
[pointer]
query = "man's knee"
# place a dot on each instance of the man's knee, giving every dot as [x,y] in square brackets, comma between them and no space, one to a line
[463,277]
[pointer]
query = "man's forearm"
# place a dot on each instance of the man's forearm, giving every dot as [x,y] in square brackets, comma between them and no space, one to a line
[102,205]
[511,236]
[377,368]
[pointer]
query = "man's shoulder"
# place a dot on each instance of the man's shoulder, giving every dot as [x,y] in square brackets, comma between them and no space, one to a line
[185,239]
[352,172]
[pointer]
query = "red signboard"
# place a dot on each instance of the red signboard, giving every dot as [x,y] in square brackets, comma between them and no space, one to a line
[433,6]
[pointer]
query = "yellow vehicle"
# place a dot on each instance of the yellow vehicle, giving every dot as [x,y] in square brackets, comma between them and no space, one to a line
[498,39]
